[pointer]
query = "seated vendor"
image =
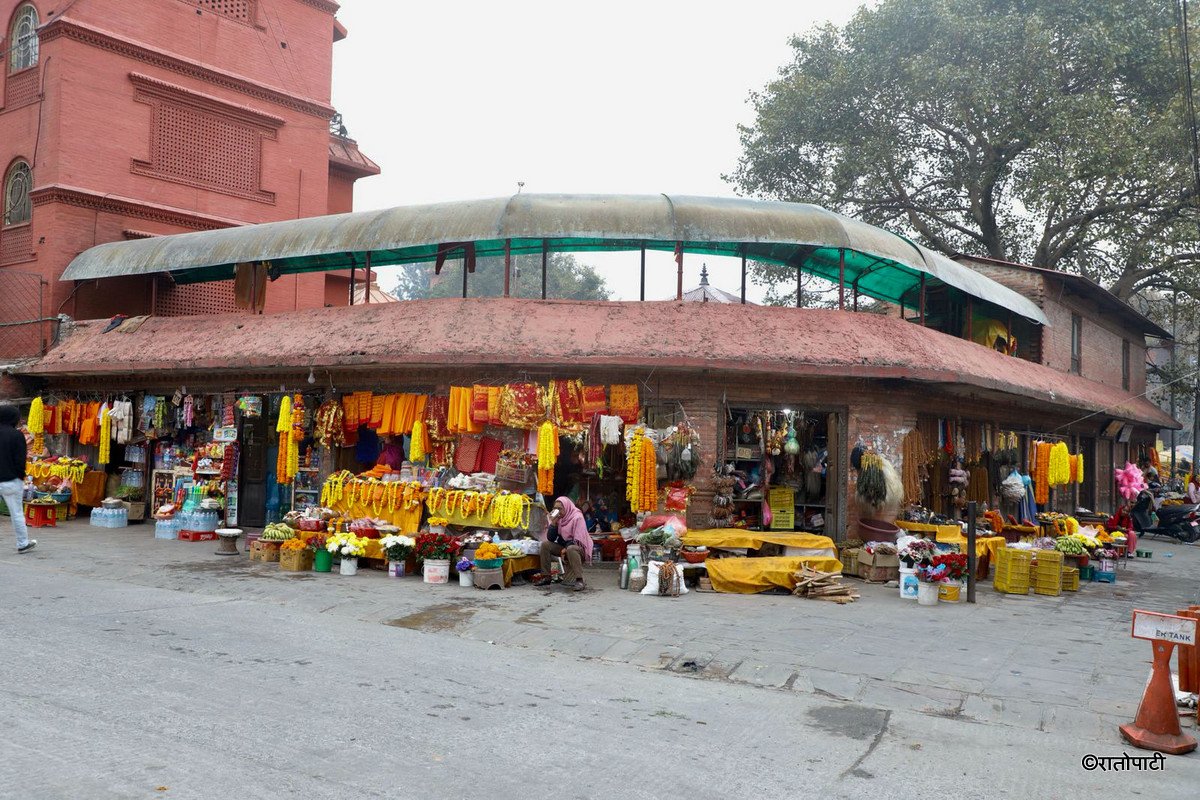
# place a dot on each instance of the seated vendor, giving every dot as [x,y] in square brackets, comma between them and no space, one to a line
[392,454]
[567,537]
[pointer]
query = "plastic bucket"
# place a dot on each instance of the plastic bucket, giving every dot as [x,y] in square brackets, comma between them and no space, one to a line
[349,566]
[927,593]
[950,592]
[322,561]
[397,569]
[908,583]
[437,570]
[465,579]
[489,563]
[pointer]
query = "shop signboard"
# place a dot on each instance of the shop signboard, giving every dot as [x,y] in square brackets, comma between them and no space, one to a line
[1164,628]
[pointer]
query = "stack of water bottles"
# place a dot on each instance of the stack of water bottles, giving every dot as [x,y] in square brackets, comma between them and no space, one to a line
[167,528]
[109,518]
[199,521]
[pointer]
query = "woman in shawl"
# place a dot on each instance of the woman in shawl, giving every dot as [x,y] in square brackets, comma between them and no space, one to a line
[567,537]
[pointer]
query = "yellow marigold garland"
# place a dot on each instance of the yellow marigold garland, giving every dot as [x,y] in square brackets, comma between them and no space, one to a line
[1059,469]
[641,475]
[105,437]
[416,447]
[547,457]
[36,423]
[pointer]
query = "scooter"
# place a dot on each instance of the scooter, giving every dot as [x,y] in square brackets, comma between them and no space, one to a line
[1174,522]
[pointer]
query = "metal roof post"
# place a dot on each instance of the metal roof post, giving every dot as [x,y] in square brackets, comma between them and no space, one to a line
[679,280]
[921,301]
[799,273]
[367,289]
[642,295]
[743,274]
[545,260]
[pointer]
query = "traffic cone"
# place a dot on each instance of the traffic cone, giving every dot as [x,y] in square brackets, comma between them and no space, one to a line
[1157,724]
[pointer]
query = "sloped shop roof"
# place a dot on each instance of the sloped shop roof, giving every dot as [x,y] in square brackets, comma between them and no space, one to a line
[497,332]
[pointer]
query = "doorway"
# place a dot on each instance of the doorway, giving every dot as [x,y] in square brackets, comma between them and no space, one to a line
[252,488]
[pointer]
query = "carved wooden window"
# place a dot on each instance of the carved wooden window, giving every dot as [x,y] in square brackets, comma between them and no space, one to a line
[203,142]
[240,10]
[23,43]
[17,185]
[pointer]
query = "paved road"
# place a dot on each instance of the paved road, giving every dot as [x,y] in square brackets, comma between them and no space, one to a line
[213,679]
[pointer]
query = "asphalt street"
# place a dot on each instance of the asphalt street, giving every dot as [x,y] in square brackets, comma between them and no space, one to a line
[247,686]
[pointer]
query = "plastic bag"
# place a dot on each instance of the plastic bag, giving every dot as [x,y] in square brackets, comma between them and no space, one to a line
[652,572]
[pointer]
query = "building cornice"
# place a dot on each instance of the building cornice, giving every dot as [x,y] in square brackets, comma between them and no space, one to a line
[128,207]
[328,6]
[106,40]
[164,90]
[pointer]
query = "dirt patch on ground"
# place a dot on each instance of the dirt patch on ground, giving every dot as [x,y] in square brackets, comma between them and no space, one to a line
[445,617]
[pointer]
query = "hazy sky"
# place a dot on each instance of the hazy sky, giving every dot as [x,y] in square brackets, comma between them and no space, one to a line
[459,100]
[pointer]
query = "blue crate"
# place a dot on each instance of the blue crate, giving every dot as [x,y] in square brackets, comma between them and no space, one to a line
[1104,577]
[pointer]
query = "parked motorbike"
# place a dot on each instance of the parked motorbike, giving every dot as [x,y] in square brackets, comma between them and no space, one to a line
[1181,523]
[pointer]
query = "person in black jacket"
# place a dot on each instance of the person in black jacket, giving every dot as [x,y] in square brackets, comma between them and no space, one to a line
[12,474]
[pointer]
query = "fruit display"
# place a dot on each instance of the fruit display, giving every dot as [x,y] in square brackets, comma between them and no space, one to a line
[487,551]
[1071,545]
[277,532]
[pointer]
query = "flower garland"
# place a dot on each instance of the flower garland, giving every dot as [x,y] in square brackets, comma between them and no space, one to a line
[283,426]
[641,475]
[1041,473]
[1059,465]
[70,469]
[416,446]
[334,488]
[36,423]
[105,437]
[511,511]
[547,457]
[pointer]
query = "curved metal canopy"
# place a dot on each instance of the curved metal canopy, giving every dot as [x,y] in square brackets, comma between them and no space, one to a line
[881,264]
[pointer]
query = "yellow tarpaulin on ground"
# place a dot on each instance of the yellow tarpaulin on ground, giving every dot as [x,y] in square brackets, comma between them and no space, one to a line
[736,538]
[754,575]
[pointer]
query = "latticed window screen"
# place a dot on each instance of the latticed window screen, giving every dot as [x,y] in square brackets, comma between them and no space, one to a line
[205,148]
[196,299]
[241,10]
[17,184]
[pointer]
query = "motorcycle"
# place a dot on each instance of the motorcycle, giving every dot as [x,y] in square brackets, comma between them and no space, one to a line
[1174,522]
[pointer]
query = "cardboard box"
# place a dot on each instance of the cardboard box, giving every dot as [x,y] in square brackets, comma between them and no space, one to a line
[197,536]
[295,560]
[136,511]
[260,550]
[878,568]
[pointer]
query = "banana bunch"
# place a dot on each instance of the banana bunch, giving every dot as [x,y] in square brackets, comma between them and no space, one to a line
[1071,545]
[277,532]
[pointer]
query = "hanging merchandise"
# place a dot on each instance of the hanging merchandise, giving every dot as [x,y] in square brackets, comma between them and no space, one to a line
[566,404]
[913,459]
[641,482]
[189,411]
[417,447]
[37,424]
[522,406]
[872,484]
[547,453]
[1059,466]
[1012,488]
[229,462]
[623,402]
[297,435]
[1079,468]
[283,426]
[1039,468]
[105,436]
[328,421]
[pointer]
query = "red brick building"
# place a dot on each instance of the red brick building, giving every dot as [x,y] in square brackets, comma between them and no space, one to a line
[125,119]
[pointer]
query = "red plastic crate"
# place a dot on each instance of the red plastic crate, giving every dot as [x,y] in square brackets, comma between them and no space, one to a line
[197,536]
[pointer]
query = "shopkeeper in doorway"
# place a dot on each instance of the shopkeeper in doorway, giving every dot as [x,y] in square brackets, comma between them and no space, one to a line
[566,537]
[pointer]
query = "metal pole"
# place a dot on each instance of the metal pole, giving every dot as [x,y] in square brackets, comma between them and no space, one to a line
[642,295]
[353,276]
[841,279]
[507,265]
[464,274]
[798,298]
[1174,333]
[971,510]
[679,279]
[855,283]
[922,300]
[545,263]
[970,319]
[743,276]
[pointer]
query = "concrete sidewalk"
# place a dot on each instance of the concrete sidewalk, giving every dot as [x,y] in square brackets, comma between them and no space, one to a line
[1054,665]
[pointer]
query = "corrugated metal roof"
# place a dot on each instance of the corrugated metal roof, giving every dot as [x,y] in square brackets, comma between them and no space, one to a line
[884,266]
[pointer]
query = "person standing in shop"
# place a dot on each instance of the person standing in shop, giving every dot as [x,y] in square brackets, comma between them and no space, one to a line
[13,452]
[567,537]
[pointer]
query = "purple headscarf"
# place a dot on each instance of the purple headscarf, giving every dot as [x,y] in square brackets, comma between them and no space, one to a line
[573,528]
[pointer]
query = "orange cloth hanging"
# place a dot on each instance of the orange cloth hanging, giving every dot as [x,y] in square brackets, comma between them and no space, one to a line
[623,401]
[376,418]
[387,425]
[465,400]
[452,423]
[493,403]
[420,402]
[594,402]
[479,405]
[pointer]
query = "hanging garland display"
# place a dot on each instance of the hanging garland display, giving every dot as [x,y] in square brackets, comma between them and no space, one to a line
[1058,470]
[416,446]
[641,476]
[105,437]
[37,424]
[547,457]
[283,426]
[872,484]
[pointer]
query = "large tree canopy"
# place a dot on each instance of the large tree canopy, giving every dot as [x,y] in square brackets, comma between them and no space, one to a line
[1049,132]
[566,279]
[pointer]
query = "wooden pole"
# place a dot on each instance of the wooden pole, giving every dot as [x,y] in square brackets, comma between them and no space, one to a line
[921,302]
[507,266]
[679,279]
[367,290]
[464,274]
[545,264]
[353,277]
[743,276]
[841,279]
[799,273]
